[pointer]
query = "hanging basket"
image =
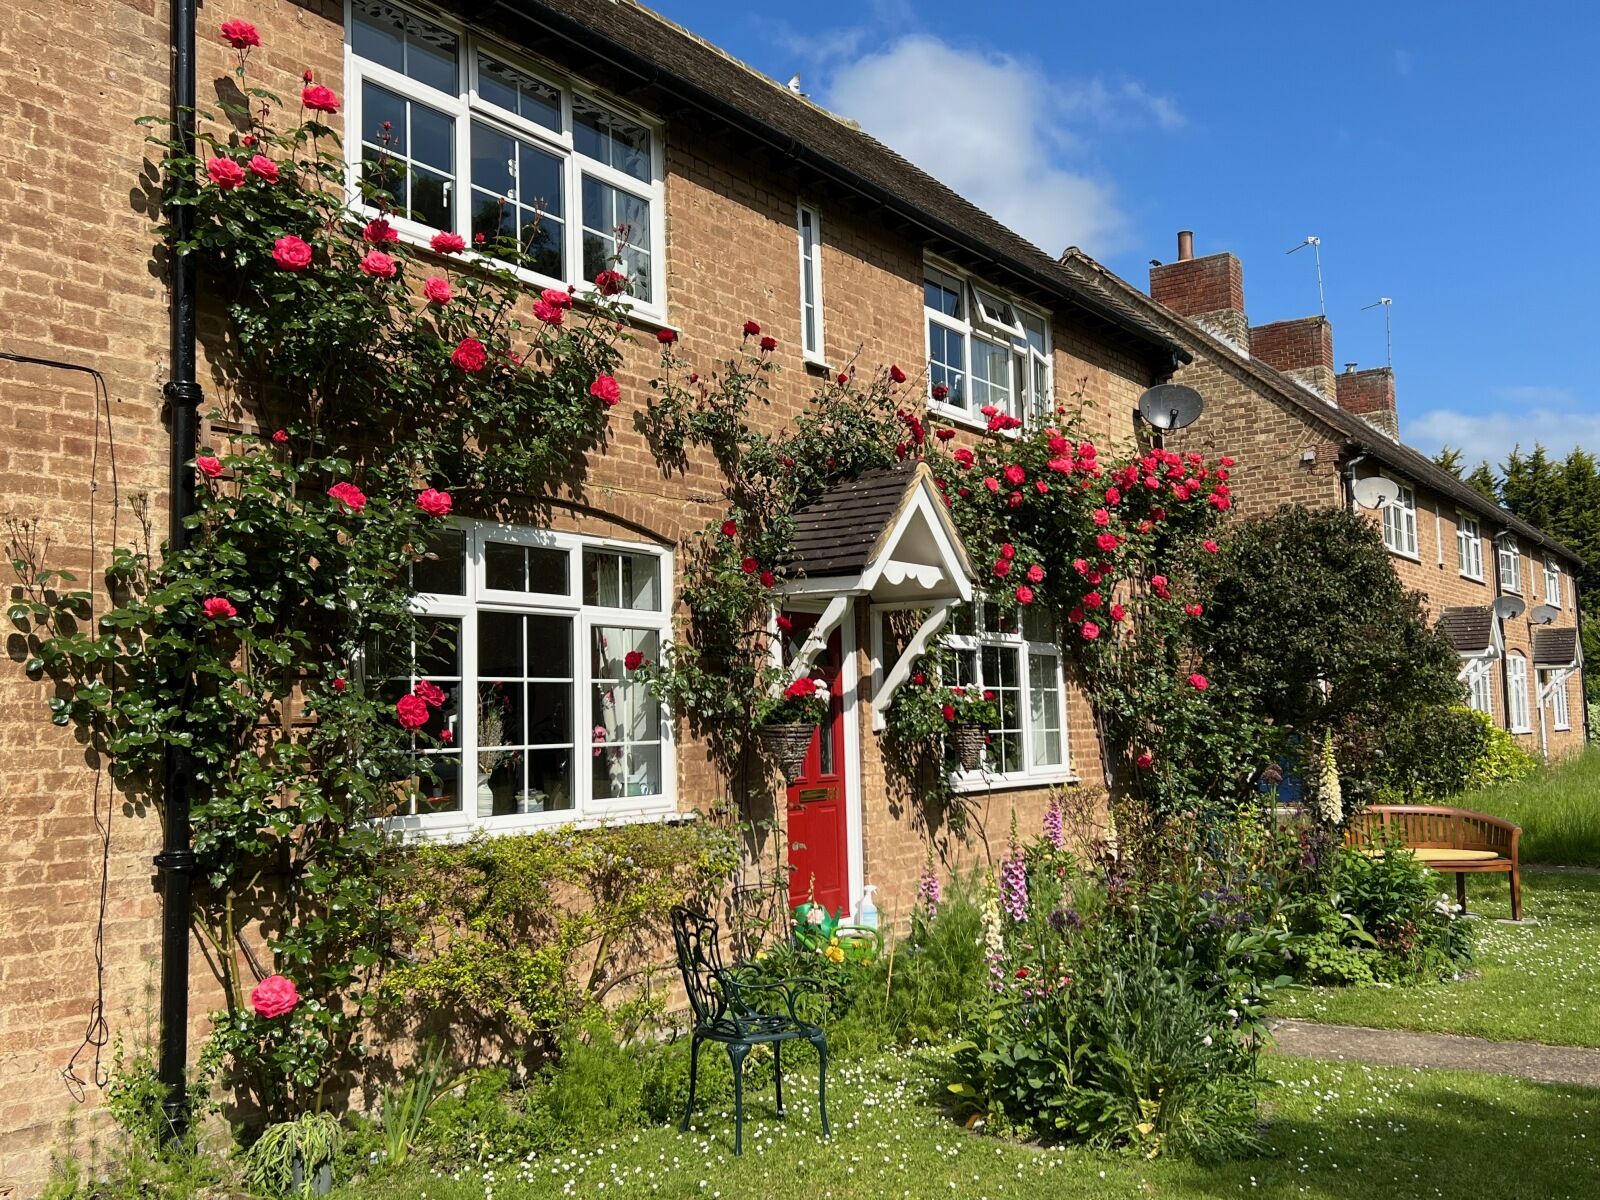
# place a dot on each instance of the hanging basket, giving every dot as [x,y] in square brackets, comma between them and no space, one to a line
[969,742]
[788,743]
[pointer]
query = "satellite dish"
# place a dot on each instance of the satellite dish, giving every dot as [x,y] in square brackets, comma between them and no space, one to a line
[1375,491]
[1171,406]
[1543,614]
[1509,607]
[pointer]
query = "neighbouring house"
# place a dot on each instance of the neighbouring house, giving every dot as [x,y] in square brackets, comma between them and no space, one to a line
[1306,433]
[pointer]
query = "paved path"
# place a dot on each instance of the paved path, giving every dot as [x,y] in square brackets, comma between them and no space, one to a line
[1443,1051]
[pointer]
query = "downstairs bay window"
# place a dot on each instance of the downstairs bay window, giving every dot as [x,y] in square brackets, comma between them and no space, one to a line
[527,633]
[1477,673]
[462,136]
[1016,657]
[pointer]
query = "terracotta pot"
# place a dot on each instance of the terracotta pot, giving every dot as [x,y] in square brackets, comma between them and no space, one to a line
[969,742]
[788,743]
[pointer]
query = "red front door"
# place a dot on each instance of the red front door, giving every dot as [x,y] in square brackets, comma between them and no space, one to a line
[818,842]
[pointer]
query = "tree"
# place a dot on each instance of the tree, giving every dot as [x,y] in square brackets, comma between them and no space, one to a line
[1451,460]
[1486,481]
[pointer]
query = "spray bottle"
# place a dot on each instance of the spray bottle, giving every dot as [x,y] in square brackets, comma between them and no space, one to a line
[868,916]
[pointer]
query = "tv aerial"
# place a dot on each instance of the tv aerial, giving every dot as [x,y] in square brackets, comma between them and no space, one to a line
[1375,491]
[1316,250]
[1508,608]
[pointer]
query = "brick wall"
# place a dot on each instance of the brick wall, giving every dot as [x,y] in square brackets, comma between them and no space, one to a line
[84,283]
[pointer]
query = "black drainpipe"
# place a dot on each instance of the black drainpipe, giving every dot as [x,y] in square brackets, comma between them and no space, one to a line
[176,862]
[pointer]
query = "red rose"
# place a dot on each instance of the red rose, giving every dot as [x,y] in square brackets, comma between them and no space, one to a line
[340,683]
[1146,760]
[1024,594]
[241,35]
[768,579]
[896,374]
[919,679]
[378,265]
[429,693]
[1106,542]
[730,528]
[606,390]
[1081,566]
[944,435]
[291,253]
[633,660]
[989,410]
[479,239]
[470,355]
[436,289]
[841,379]
[1002,568]
[208,466]
[1199,682]
[263,168]
[749,566]
[1194,610]
[274,996]
[1014,500]
[550,314]
[379,232]
[1102,517]
[1015,475]
[319,99]
[448,243]
[1118,612]
[991,483]
[769,344]
[1007,550]
[218,608]
[1225,461]
[1035,574]
[225,173]
[751,328]
[666,336]
[1211,546]
[280,437]
[556,297]
[447,736]
[434,502]
[411,711]
[940,391]
[949,712]
[1113,496]
[784,623]
[1219,502]
[963,458]
[611,283]
[1093,600]
[349,496]
[1090,631]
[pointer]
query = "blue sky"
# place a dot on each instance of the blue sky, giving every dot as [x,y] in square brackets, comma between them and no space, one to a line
[1445,155]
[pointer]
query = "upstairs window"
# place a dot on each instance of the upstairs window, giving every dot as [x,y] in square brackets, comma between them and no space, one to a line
[984,350]
[809,226]
[459,136]
[1400,523]
[1469,546]
[1510,559]
[1552,583]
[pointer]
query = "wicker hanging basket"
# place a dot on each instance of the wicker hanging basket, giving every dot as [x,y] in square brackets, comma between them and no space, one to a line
[969,742]
[788,743]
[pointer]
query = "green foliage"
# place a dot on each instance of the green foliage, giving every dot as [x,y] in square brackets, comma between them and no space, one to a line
[292,1151]
[531,933]
[1555,806]
[1442,752]
[406,1106]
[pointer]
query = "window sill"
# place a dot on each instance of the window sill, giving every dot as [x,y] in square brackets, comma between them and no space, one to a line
[1522,732]
[815,362]
[1471,578]
[456,827]
[1561,729]
[976,781]
[957,416]
[1408,556]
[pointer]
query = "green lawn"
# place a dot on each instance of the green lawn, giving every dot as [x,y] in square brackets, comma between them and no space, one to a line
[1558,809]
[1535,982]
[1337,1131]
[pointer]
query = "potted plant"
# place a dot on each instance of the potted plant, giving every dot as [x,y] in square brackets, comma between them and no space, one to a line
[295,1158]
[786,723]
[971,713]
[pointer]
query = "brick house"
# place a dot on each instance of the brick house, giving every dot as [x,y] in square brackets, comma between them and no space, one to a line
[1306,433]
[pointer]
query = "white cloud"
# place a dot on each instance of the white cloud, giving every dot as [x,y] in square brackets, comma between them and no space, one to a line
[998,131]
[1551,417]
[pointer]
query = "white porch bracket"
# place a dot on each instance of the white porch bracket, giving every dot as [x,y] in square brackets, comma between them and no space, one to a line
[938,614]
[806,656]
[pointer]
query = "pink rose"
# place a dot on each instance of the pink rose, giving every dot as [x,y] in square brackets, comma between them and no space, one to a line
[225,173]
[1146,760]
[208,466]
[319,99]
[436,290]
[379,232]
[1035,574]
[1194,610]
[218,608]
[448,243]
[556,297]
[1211,546]
[411,711]
[1002,568]
[241,35]
[606,390]
[470,355]
[429,693]
[263,168]
[1199,682]
[434,502]
[349,496]
[378,265]
[1118,612]
[550,314]
[1007,550]
[280,437]
[291,253]
[274,996]
[1024,594]
[1014,475]
[1106,542]
[1090,631]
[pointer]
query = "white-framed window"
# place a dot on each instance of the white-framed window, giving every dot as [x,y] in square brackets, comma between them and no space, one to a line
[1019,660]
[1469,546]
[1478,674]
[809,229]
[1400,523]
[1552,582]
[984,349]
[1510,560]
[1560,711]
[1517,719]
[464,136]
[528,633]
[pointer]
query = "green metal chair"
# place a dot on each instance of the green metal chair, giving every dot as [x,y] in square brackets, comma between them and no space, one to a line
[726,1011]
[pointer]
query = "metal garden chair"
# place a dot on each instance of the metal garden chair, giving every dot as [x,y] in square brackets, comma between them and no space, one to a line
[726,1012]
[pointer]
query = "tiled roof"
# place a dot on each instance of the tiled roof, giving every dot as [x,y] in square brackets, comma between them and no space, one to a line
[1554,647]
[1470,629]
[1412,464]
[835,534]
[653,54]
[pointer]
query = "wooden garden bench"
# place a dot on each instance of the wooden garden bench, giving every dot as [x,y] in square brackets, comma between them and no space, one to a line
[1446,839]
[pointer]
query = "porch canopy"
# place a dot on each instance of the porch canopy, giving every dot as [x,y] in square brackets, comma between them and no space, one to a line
[885,537]
[1472,630]
[1557,649]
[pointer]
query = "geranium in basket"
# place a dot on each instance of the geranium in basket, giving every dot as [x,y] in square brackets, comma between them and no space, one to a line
[971,712]
[786,723]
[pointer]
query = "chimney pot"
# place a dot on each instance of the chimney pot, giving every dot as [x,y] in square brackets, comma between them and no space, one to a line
[1185,245]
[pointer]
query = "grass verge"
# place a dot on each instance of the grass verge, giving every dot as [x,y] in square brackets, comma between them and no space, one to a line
[1558,808]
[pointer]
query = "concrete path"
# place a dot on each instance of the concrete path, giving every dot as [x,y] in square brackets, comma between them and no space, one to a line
[1442,1051]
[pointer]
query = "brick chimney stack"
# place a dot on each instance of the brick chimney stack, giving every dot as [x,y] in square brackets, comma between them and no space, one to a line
[1370,395]
[1302,349]
[1209,291]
